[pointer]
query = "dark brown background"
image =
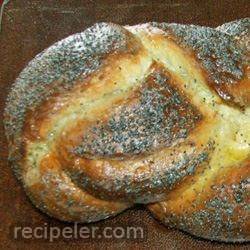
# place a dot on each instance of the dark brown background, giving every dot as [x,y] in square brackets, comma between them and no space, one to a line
[31,26]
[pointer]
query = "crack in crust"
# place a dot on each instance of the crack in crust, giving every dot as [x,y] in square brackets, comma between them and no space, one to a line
[223,59]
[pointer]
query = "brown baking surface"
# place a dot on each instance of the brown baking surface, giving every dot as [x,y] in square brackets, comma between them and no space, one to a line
[28,27]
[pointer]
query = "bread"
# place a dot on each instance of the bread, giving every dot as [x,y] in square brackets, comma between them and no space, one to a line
[155,113]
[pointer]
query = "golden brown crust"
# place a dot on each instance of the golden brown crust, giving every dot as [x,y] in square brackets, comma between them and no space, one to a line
[224,58]
[121,115]
[220,212]
[56,194]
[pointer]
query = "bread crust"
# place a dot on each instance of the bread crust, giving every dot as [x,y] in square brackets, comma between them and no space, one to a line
[119,115]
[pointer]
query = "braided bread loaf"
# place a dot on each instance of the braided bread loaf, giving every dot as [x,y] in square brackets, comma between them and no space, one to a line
[157,114]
